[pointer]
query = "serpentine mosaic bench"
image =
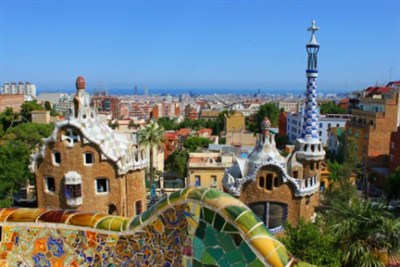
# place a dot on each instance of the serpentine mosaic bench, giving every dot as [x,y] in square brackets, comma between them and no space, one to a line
[192,227]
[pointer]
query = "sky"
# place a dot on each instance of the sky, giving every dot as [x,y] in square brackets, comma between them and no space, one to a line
[246,44]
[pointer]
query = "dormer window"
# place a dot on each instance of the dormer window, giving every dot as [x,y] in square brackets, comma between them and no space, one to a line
[88,158]
[56,158]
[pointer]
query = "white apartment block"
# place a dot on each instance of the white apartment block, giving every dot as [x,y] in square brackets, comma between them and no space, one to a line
[27,89]
[295,125]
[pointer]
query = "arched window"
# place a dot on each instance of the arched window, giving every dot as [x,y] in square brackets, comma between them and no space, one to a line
[261,182]
[277,181]
[56,158]
[138,207]
[269,181]
[272,214]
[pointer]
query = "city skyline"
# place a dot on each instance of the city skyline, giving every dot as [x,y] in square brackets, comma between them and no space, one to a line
[188,45]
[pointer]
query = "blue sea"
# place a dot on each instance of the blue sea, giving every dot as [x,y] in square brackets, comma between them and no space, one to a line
[196,91]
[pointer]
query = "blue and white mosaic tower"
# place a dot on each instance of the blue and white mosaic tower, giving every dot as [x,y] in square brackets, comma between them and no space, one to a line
[309,146]
[310,120]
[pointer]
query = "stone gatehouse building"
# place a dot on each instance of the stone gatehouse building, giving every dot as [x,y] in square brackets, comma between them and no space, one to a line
[85,165]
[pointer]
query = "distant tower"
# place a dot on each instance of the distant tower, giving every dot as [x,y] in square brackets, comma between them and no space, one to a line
[309,145]
[135,90]
[146,90]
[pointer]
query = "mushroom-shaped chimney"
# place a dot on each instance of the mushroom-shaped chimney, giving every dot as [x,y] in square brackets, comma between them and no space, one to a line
[265,125]
[80,83]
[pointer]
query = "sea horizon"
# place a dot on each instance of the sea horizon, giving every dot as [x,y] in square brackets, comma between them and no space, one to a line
[193,91]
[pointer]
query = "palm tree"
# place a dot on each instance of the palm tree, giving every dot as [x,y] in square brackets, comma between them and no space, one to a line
[365,232]
[150,136]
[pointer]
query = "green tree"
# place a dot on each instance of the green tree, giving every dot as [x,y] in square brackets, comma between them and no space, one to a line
[331,108]
[341,187]
[219,123]
[29,133]
[151,136]
[281,141]
[269,110]
[195,143]
[167,124]
[8,118]
[132,125]
[364,231]
[309,243]
[177,162]
[113,124]
[27,107]
[392,185]
[47,105]
[14,161]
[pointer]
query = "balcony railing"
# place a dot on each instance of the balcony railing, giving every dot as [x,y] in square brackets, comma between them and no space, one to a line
[306,186]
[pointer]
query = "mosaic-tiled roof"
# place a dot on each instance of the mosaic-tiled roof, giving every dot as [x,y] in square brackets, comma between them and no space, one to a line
[113,146]
[264,154]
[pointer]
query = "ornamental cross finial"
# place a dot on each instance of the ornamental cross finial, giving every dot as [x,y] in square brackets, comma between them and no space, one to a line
[313,29]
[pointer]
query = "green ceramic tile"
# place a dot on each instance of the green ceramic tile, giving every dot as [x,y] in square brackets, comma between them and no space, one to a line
[256,263]
[218,222]
[229,228]
[201,230]
[135,223]
[281,250]
[216,253]
[198,248]
[207,258]
[234,211]
[226,243]
[237,239]
[247,252]
[197,263]
[212,194]
[147,214]
[208,215]
[196,194]
[185,191]
[174,196]
[210,238]
[233,257]
[259,230]
[247,221]
[162,204]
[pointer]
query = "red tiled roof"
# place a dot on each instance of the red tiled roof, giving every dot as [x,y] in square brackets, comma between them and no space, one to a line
[170,135]
[393,83]
[378,90]
[205,130]
[183,132]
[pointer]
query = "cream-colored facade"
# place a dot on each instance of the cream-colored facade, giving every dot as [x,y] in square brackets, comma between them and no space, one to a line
[207,169]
